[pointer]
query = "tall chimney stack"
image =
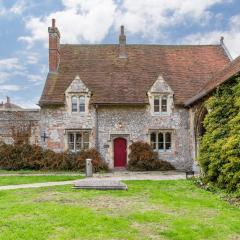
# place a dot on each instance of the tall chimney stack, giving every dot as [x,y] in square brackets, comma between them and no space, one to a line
[54,47]
[122,44]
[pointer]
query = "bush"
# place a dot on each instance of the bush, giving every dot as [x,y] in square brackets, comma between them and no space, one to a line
[143,158]
[25,156]
[219,154]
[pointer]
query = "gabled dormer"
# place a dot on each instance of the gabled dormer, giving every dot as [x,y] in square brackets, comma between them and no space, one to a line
[160,97]
[77,97]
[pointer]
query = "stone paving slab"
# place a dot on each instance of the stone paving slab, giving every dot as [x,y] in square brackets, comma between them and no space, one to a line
[100,184]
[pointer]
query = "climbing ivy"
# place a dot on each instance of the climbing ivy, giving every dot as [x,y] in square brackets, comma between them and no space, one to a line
[219,154]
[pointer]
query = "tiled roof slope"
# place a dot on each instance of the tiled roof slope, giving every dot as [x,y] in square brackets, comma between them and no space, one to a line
[114,80]
[220,77]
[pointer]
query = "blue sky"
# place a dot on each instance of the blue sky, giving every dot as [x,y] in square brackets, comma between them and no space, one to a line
[24,37]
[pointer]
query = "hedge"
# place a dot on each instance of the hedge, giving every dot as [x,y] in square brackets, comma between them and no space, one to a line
[143,158]
[33,157]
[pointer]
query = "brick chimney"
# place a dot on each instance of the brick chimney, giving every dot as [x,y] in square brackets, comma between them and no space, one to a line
[122,44]
[54,47]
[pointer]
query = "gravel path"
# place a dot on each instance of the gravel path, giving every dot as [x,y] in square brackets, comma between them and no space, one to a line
[118,175]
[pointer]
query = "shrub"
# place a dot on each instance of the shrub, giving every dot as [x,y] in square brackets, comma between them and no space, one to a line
[219,154]
[143,158]
[25,156]
[98,163]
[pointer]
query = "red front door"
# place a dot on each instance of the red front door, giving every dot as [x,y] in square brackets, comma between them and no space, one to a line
[120,152]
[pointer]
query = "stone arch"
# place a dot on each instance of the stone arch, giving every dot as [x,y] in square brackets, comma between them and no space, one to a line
[199,129]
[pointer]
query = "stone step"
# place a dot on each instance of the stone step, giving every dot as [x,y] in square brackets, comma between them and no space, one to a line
[100,184]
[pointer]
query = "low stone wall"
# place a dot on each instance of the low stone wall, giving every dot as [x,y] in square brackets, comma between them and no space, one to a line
[12,121]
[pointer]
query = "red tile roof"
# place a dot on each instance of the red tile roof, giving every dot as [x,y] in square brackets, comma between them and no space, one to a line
[112,80]
[220,77]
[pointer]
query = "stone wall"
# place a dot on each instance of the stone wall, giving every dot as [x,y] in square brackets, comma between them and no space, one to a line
[134,123]
[55,122]
[131,123]
[12,121]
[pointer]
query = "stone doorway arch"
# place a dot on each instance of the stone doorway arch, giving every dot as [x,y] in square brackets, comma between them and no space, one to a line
[199,128]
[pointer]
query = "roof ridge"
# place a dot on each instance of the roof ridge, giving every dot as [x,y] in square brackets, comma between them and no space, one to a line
[145,45]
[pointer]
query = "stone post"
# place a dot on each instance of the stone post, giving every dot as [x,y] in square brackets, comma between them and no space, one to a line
[89,170]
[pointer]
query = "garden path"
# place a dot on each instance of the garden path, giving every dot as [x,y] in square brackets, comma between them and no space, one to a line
[117,175]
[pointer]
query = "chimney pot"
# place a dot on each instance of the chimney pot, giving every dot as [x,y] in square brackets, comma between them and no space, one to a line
[8,99]
[53,23]
[221,40]
[122,43]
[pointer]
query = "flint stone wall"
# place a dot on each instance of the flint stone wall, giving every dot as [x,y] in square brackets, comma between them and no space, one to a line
[132,123]
[18,119]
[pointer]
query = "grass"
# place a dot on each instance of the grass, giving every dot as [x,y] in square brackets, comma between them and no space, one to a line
[148,210]
[12,180]
[38,172]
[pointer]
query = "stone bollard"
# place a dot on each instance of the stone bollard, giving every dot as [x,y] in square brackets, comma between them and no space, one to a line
[89,170]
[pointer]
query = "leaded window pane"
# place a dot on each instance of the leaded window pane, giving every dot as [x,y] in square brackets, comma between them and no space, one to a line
[71,141]
[160,141]
[82,104]
[156,104]
[78,141]
[164,104]
[74,104]
[153,140]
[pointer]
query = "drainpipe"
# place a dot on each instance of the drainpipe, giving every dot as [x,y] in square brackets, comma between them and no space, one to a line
[96,127]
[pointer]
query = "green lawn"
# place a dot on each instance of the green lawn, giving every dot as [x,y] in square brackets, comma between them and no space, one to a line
[148,210]
[38,172]
[12,180]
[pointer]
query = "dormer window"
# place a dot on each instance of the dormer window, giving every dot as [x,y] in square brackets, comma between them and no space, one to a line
[78,104]
[74,104]
[160,104]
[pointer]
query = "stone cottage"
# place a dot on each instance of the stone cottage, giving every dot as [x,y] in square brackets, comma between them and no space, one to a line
[107,96]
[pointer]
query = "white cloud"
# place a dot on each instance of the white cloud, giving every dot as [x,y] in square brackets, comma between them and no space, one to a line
[150,17]
[91,20]
[18,7]
[35,78]
[79,21]
[9,64]
[231,37]
[26,103]
[8,88]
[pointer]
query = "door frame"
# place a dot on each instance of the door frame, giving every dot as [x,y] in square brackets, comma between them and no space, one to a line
[126,144]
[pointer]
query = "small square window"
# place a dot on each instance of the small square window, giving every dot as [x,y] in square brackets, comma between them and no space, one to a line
[78,140]
[161,140]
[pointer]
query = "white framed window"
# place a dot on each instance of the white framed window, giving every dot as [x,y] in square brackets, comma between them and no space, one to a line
[78,140]
[161,140]
[74,103]
[78,104]
[160,104]
[82,104]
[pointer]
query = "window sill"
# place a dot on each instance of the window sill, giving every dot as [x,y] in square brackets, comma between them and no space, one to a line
[160,114]
[164,152]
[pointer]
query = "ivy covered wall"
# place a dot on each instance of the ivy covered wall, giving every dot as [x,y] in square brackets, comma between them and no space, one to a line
[219,153]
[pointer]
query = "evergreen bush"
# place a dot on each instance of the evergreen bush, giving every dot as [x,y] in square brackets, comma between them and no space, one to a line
[219,154]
